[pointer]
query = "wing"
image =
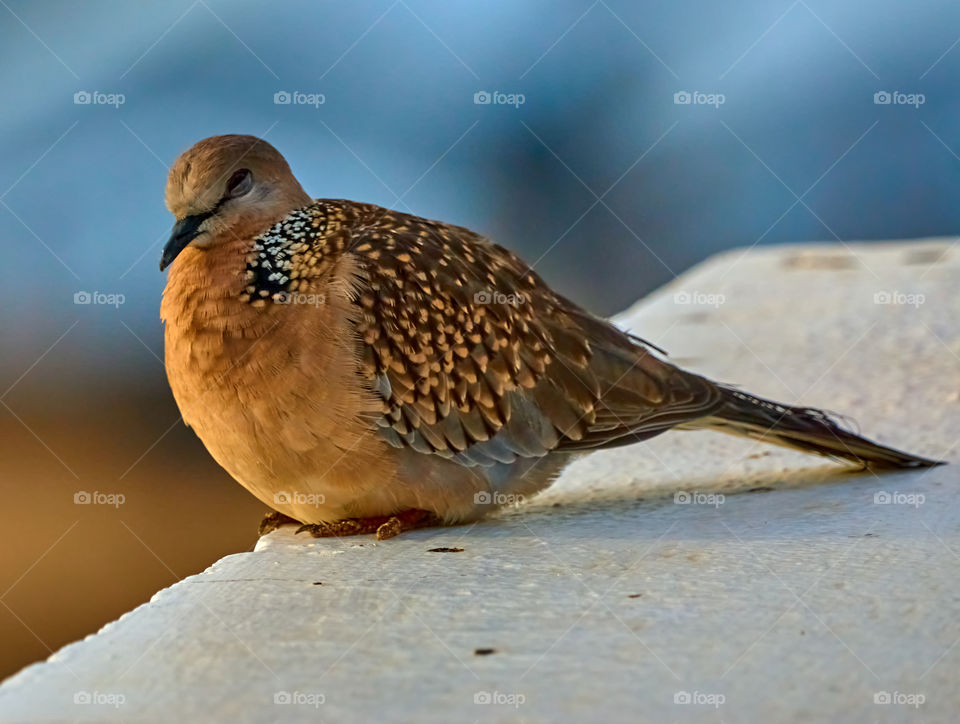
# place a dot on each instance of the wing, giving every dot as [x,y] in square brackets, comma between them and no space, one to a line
[476,359]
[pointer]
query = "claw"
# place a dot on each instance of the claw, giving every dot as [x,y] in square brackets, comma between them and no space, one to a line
[273,520]
[390,529]
[384,527]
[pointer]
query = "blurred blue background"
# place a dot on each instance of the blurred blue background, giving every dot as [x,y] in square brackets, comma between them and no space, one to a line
[601,178]
[83,202]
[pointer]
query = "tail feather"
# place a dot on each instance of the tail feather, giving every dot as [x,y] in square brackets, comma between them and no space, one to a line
[802,428]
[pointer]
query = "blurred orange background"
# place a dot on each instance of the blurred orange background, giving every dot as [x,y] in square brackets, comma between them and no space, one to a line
[68,568]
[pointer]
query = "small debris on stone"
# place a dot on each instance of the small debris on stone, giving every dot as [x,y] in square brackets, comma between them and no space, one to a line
[445,550]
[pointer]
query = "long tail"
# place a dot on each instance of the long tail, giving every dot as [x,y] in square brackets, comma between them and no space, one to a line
[802,428]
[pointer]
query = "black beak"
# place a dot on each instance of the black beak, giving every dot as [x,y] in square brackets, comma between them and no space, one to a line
[184,231]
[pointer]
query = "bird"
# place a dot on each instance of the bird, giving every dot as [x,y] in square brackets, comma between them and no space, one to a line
[362,370]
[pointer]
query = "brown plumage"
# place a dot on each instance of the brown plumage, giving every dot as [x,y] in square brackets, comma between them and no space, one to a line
[345,361]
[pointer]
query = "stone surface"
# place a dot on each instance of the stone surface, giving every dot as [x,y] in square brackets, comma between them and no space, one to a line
[639,587]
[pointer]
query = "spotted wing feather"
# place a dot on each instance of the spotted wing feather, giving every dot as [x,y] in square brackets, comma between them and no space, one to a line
[475,359]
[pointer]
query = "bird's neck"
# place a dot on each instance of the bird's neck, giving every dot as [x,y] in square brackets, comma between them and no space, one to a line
[207,283]
[203,284]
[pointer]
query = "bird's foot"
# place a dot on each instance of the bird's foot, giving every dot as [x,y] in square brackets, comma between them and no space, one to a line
[273,520]
[384,526]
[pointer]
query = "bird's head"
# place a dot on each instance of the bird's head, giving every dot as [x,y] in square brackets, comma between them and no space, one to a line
[221,186]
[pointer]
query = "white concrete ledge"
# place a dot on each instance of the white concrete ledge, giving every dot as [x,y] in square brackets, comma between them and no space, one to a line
[603,599]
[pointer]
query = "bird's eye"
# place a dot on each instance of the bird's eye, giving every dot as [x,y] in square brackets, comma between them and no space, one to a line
[239,183]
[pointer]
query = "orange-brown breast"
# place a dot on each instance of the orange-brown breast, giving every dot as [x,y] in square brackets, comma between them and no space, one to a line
[272,389]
